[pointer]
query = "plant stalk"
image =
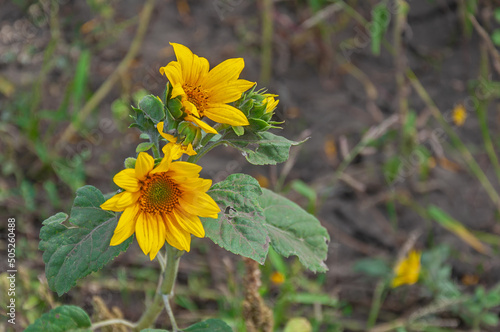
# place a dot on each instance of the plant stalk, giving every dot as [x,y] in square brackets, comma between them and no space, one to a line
[165,287]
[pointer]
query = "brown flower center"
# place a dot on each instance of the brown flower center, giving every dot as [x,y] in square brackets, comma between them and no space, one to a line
[196,96]
[159,194]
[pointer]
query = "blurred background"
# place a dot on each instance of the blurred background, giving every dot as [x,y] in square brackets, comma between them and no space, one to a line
[399,99]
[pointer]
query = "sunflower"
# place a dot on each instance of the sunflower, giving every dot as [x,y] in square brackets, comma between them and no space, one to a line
[161,203]
[206,93]
[270,102]
[408,270]
[176,149]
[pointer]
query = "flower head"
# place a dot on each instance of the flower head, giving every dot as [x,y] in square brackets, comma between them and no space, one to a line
[176,149]
[459,115]
[270,102]
[161,203]
[206,93]
[407,271]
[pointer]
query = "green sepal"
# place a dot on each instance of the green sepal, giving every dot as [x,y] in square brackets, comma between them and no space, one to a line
[144,146]
[152,108]
[238,130]
[130,162]
[174,106]
[258,125]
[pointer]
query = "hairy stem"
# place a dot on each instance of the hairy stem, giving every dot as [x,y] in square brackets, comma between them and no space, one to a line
[165,287]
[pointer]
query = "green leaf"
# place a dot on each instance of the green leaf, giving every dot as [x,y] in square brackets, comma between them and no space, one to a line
[378,27]
[240,226]
[152,108]
[144,146]
[261,148]
[210,325]
[495,37]
[490,319]
[374,267]
[62,319]
[457,228]
[238,130]
[293,231]
[74,249]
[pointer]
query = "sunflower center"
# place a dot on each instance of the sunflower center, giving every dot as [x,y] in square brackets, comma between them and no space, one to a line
[159,194]
[196,96]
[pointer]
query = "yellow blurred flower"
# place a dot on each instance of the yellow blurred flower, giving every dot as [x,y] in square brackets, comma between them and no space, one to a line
[407,271]
[176,149]
[459,115]
[277,278]
[161,203]
[206,93]
[270,102]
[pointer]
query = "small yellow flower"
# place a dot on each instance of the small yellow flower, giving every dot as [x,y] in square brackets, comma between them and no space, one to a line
[408,270]
[459,115]
[277,278]
[206,93]
[176,149]
[161,203]
[271,103]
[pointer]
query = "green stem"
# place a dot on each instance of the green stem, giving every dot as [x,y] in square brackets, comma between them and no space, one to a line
[457,142]
[165,287]
[194,159]
[267,41]
[116,321]
[378,297]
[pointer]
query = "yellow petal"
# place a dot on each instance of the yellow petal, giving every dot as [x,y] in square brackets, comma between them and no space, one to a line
[177,90]
[143,233]
[174,150]
[143,165]
[159,236]
[173,72]
[185,57]
[127,219]
[182,168]
[175,235]
[201,124]
[200,69]
[191,108]
[189,223]
[153,235]
[168,137]
[224,72]
[200,204]
[126,225]
[228,114]
[127,180]
[189,150]
[164,165]
[110,204]
[229,92]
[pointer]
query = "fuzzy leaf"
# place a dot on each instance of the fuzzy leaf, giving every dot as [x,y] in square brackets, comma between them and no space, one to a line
[240,227]
[144,146]
[210,325]
[261,148]
[76,248]
[152,108]
[293,231]
[62,319]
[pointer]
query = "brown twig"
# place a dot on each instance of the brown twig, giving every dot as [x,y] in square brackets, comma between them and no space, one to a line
[487,40]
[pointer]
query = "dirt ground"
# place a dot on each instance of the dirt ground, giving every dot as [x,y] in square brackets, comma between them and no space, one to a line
[319,98]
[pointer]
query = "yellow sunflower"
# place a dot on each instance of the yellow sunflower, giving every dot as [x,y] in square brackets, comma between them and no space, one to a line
[271,103]
[161,203]
[408,270]
[176,149]
[206,93]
